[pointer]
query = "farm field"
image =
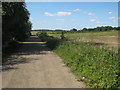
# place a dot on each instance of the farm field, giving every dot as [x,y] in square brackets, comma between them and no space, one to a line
[106,38]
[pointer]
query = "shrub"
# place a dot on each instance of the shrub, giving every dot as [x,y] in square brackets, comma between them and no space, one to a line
[43,36]
[62,35]
[53,43]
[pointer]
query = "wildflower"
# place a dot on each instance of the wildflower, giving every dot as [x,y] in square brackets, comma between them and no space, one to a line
[83,77]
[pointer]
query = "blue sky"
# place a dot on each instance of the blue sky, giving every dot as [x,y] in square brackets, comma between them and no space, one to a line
[68,15]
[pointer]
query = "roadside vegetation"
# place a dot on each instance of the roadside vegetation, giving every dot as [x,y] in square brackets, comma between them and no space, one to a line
[15,26]
[96,65]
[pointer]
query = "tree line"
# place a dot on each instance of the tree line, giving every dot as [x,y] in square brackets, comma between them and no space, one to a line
[15,22]
[102,28]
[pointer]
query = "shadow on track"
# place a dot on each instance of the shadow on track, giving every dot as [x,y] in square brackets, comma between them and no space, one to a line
[32,46]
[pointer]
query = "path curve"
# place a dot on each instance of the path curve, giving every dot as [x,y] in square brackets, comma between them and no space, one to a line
[35,66]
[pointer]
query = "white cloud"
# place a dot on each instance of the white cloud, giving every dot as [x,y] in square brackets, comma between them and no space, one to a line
[63,13]
[111,18]
[109,12]
[90,13]
[99,22]
[95,21]
[77,10]
[49,14]
[114,19]
[58,14]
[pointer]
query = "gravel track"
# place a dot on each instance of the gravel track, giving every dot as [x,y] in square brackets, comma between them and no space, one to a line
[35,66]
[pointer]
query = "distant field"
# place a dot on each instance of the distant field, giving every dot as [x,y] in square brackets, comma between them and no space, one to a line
[108,37]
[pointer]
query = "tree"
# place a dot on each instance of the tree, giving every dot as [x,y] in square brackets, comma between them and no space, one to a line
[15,22]
[62,35]
[74,29]
[84,29]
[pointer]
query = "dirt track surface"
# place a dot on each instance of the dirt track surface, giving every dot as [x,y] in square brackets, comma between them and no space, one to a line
[35,66]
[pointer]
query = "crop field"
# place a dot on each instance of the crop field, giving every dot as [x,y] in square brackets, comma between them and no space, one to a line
[107,38]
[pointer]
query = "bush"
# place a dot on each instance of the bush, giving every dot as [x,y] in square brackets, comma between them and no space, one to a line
[43,36]
[53,43]
[62,35]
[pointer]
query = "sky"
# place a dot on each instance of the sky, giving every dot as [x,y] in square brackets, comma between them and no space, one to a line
[69,15]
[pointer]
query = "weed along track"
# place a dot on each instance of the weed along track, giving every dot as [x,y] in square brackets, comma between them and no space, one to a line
[35,66]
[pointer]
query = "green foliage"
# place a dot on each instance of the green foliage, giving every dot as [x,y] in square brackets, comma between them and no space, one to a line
[51,42]
[15,23]
[98,67]
[102,28]
[42,35]
[62,35]
[73,30]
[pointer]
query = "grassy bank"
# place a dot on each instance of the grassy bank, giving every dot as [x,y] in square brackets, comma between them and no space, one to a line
[97,66]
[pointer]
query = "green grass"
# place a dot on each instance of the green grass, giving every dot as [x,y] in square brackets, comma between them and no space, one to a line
[110,38]
[85,34]
[98,66]
[77,35]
